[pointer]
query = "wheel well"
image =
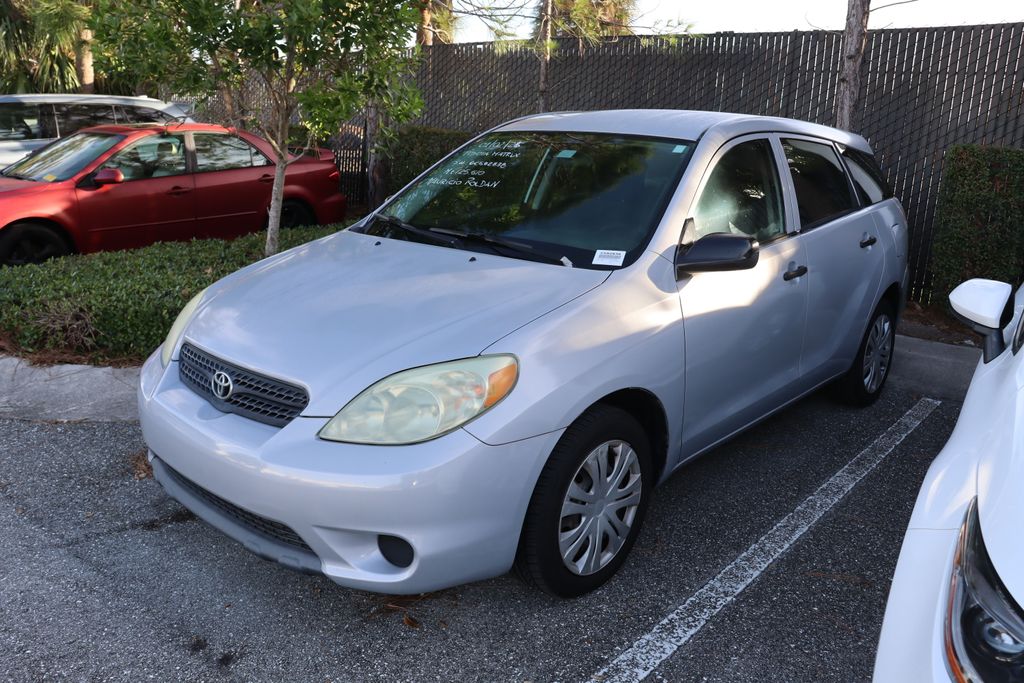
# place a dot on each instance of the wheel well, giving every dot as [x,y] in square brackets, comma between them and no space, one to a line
[648,411]
[53,225]
[299,200]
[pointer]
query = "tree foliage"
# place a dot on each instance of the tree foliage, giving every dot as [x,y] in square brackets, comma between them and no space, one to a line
[274,62]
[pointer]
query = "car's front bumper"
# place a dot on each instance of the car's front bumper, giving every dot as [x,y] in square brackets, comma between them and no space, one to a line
[458,502]
[911,646]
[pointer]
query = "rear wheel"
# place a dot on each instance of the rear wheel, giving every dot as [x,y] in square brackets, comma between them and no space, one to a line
[295,214]
[863,383]
[588,505]
[24,243]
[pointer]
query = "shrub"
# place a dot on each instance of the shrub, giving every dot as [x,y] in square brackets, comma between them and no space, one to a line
[118,305]
[413,149]
[981,217]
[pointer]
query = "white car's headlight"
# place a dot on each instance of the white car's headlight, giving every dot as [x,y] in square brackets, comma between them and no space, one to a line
[178,327]
[984,625]
[424,403]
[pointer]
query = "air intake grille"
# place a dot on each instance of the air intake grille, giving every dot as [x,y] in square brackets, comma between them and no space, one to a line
[249,394]
[275,531]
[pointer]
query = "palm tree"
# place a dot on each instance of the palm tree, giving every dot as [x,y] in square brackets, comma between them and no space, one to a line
[44,46]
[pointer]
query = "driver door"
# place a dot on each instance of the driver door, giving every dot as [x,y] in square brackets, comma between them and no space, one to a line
[744,328]
[155,203]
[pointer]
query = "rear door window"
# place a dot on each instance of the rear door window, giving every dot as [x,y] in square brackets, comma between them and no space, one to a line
[20,121]
[225,152]
[866,176]
[822,189]
[73,117]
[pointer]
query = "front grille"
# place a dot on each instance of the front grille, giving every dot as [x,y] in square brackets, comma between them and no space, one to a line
[260,398]
[275,531]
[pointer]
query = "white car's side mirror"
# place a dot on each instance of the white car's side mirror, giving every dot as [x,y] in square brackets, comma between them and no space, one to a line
[982,305]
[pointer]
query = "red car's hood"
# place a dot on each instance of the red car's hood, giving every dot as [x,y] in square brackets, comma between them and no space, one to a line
[9,185]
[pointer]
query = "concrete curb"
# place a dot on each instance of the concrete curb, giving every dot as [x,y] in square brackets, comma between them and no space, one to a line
[67,392]
[101,394]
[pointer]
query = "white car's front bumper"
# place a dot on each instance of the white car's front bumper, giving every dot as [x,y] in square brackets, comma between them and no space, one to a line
[458,502]
[911,647]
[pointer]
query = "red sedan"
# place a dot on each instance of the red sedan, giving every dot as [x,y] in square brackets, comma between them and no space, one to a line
[121,187]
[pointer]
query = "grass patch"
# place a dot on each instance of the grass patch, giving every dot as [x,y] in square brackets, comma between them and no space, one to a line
[116,307]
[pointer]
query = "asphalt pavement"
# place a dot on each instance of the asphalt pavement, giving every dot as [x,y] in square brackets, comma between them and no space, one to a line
[105,578]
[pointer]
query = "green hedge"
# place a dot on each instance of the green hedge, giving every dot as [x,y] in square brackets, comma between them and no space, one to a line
[981,217]
[415,148]
[118,305]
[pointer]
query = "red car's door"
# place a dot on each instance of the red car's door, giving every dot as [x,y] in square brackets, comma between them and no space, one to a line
[155,203]
[233,183]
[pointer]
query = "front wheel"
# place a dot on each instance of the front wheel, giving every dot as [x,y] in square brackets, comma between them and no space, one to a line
[862,384]
[24,243]
[588,506]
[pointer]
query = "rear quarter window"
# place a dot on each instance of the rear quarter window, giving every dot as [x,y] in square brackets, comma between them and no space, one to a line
[866,176]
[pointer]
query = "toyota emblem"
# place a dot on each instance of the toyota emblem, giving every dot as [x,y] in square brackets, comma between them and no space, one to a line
[221,385]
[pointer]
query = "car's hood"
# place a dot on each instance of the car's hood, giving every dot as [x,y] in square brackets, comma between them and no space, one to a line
[1001,478]
[338,314]
[13,187]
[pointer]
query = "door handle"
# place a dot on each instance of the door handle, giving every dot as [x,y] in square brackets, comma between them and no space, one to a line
[178,189]
[794,273]
[266,178]
[867,241]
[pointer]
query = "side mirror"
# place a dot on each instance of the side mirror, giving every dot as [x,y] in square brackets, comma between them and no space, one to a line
[986,307]
[715,252]
[108,176]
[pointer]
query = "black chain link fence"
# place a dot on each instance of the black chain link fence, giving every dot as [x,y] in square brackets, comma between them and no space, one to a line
[922,90]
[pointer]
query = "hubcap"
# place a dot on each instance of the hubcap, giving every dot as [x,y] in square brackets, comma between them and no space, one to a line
[877,353]
[599,507]
[34,249]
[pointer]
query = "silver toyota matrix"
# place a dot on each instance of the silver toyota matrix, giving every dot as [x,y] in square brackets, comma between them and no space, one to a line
[496,367]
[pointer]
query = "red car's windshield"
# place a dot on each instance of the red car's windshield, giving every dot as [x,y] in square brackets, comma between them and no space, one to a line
[63,158]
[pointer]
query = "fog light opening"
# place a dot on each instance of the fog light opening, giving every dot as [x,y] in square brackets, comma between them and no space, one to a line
[395,550]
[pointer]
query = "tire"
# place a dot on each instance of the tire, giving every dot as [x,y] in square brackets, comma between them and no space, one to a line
[295,214]
[863,383]
[24,243]
[539,560]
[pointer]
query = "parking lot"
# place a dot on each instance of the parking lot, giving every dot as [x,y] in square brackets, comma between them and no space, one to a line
[755,564]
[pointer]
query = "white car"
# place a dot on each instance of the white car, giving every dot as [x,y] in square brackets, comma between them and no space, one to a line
[954,611]
[28,122]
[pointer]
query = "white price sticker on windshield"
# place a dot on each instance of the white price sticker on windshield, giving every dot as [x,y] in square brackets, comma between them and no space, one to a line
[607,257]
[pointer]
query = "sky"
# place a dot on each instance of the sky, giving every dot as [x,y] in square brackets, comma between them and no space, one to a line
[709,16]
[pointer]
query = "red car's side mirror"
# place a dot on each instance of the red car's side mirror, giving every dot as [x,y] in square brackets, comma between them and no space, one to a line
[108,176]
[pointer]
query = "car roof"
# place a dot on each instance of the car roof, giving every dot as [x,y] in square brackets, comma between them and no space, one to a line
[131,128]
[71,98]
[678,124]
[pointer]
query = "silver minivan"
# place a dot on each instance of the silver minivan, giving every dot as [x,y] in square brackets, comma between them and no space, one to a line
[496,367]
[28,122]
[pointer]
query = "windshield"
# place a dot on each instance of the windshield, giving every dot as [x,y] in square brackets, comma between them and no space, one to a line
[62,159]
[593,199]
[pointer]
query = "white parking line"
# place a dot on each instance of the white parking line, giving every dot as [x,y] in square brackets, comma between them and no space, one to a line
[639,660]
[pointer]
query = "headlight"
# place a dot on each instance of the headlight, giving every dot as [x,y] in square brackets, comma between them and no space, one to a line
[984,625]
[178,327]
[424,403]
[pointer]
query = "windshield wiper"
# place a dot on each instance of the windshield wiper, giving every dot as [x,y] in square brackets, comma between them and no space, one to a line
[501,243]
[17,176]
[409,228]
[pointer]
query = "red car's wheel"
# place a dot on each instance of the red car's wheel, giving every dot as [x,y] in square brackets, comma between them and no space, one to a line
[24,243]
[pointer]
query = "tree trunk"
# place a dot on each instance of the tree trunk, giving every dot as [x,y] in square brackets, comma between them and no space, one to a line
[83,62]
[276,201]
[545,57]
[425,31]
[376,191]
[855,39]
